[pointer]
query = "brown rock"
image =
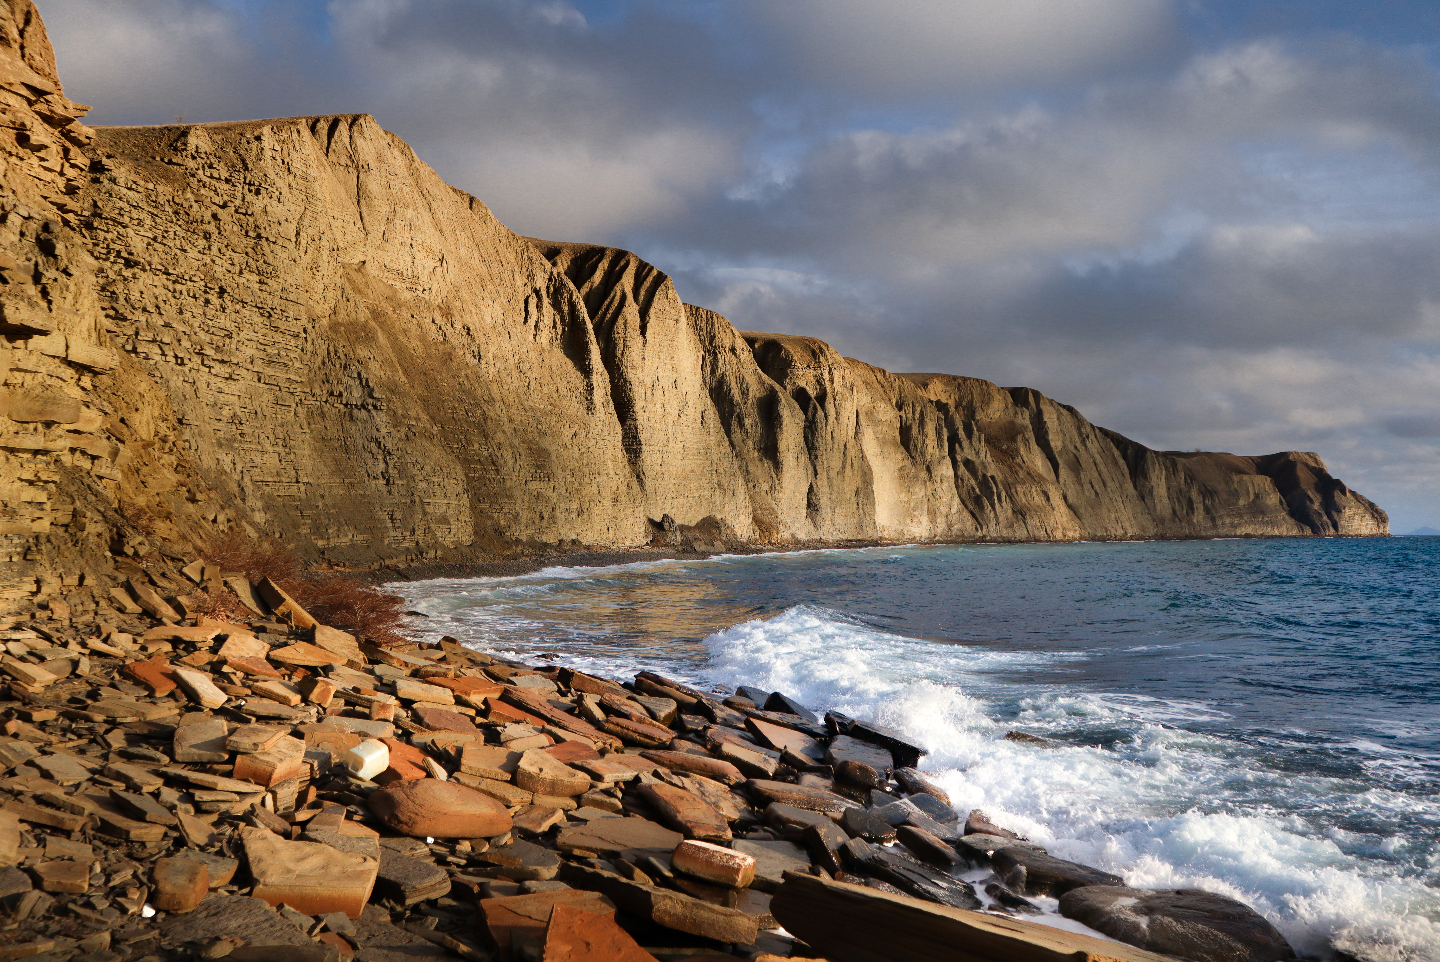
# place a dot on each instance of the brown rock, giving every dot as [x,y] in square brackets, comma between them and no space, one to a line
[407,762]
[527,915]
[721,771]
[318,691]
[916,784]
[304,655]
[247,665]
[610,836]
[574,935]
[538,772]
[158,676]
[198,687]
[799,796]
[489,761]
[686,812]
[309,877]
[202,741]
[285,759]
[64,875]
[664,907]
[714,863]
[180,884]
[638,733]
[571,752]
[435,809]
[440,720]
[283,605]
[978,823]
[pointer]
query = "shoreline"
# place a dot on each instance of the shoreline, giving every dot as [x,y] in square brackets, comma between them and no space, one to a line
[273,788]
[531,561]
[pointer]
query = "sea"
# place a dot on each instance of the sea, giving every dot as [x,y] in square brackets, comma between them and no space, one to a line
[1256,718]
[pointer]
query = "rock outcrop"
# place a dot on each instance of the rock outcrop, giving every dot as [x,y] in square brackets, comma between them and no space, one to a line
[294,325]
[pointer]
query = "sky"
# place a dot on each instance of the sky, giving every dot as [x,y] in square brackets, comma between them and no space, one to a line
[1205,224]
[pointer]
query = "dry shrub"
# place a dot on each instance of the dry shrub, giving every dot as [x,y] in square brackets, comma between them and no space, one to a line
[338,600]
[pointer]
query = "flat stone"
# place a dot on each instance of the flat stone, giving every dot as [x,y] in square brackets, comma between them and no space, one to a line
[910,876]
[510,796]
[439,719]
[686,812]
[143,808]
[435,809]
[695,764]
[199,688]
[537,819]
[304,655]
[843,921]
[158,676]
[408,689]
[611,836]
[638,733]
[538,772]
[572,751]
[338,642]
[906,753]
[926,846]
[714,863]
[405,762]
[220,869]
[243,645]
[664,907]
[278,691]
[527,916]
[978,823]
[64,875]
[859,823]
[574,935]
[799,796]
[254,738]
[283,760]
[180,884]
[748,760]
[613,769]
[521,861]
[237,917]
[773,860]
[783,739]
[408,881]
[309,877]
[1186,923]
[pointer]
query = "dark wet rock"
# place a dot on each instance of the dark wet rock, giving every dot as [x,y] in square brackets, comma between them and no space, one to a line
[1186,923]
[773,860]
[859,823]
[936,809]
[910,876]
[926,846]
[978,823]
[905,752]
[1036,873]
[859,762]
[757,696]
[1036,740]
[978,849]
[916,784]
[1009,900]
[781,702]
[826,841]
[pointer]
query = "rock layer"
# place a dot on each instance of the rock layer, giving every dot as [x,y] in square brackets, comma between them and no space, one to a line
[296,325]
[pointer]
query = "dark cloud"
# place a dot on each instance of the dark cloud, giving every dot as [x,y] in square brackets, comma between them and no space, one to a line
[1201,230]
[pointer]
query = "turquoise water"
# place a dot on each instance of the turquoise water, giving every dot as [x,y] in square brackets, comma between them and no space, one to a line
[1258,718]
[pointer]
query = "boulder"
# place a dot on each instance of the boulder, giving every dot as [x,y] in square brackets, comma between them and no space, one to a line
[574,935]
[856,923]
[664,907]
[714,863]
[1186,923]
[308,876]
[686,812]
[435,809]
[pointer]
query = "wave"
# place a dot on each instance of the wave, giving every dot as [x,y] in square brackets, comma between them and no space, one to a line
[1164,807]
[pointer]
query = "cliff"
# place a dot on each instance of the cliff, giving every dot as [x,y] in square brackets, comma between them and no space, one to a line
[294,325]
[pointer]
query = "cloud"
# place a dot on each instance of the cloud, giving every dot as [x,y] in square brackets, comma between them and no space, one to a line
[927,48]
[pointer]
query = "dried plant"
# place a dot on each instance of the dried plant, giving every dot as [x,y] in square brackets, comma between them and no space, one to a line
[335,599]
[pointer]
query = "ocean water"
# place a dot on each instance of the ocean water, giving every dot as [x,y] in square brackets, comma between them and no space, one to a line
[1255,718]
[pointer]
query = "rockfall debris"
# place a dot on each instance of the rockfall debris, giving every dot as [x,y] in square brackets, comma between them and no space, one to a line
[177,787]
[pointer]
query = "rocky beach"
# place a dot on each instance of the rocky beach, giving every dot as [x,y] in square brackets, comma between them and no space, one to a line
[271,788]
[230,346]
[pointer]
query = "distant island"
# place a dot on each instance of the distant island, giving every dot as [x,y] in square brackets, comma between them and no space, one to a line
[1422,533]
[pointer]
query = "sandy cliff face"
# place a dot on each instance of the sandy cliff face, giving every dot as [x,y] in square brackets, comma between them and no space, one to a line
[296,325]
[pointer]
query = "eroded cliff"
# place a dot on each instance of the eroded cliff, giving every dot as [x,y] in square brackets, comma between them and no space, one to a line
[295,325]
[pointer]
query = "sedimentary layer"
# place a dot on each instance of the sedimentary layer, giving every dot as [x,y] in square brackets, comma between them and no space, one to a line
[296,326]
